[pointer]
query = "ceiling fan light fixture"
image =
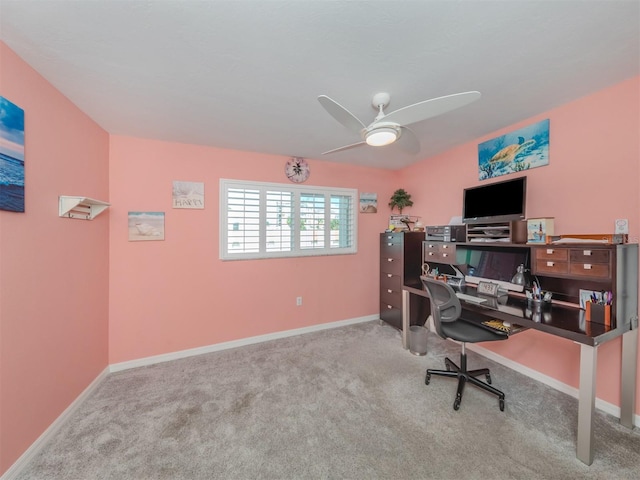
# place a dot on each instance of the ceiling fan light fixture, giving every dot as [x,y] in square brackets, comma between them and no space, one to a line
[381,136]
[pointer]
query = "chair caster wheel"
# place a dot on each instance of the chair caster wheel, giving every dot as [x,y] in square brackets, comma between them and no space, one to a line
[456,404]
[502,404]
[489,379]
[427,379]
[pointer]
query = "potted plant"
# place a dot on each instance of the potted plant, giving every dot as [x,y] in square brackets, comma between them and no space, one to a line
[400,199]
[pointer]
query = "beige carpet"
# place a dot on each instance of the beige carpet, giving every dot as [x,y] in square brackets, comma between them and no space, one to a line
[347,403]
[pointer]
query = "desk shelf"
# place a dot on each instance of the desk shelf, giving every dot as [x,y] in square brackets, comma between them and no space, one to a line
[509,232]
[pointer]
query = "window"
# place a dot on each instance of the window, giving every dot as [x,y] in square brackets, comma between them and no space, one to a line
[265,220]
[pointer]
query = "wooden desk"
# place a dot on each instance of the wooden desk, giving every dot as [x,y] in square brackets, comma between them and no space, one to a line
[565,322]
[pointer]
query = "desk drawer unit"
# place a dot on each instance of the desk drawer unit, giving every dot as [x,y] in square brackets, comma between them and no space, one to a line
[400,262]
[588,263]
[551,261]
[593,263]
[439,252]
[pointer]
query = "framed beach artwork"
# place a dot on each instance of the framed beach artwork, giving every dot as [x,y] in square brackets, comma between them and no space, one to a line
[11,156]
[188,195]
[513,152]
[146,226]
[368,202]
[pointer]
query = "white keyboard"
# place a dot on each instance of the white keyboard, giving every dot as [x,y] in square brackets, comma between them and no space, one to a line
[470,298]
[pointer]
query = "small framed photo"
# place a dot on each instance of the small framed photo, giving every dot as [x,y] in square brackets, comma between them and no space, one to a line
[146,226]
[587,296]
[539,230]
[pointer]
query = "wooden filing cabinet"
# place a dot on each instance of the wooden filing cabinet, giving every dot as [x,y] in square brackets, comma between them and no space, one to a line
[400,264]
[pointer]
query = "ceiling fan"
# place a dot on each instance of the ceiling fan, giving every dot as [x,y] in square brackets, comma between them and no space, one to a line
[388,128]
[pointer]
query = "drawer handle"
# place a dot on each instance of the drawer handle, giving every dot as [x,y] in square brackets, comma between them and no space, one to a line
[389,307]
[390,237]
[445,254]
[430,254]
[389,259]
[389,244]
[587,266]
[586,253]
[549,251]
[389,275]
[431,245]
[445,246]
[389,290]
[550,264]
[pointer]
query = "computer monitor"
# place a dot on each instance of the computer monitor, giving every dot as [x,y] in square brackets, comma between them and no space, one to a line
[497,266]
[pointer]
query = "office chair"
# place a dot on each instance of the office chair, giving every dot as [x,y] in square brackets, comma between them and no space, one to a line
[446,312]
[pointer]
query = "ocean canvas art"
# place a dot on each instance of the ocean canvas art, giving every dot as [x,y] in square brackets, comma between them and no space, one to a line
[513,152]
[11,156]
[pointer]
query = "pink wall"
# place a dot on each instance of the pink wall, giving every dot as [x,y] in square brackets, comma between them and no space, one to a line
[176,294]
[76,295]
[53,280]
[593,177]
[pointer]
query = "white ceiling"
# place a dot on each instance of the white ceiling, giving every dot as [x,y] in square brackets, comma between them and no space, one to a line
[246,74]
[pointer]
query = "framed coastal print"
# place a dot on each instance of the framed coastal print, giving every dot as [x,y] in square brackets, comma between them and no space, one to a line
[517,151]
[188,195]
[146,226]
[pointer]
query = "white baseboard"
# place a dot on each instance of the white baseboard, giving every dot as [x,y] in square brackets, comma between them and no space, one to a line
[143,362]
[43,439]
[35,448]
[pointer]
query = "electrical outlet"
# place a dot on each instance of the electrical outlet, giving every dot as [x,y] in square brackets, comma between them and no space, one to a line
[298,301]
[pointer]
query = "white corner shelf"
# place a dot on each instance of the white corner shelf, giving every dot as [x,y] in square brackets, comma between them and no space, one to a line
[84,208]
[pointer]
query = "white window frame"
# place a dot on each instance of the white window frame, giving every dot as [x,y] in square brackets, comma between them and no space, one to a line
[296,190]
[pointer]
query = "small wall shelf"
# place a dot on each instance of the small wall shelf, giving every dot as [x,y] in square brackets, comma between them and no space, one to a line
[84,208]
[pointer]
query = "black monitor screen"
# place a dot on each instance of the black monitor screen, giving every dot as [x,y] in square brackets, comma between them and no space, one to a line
[496,201]
[499,265]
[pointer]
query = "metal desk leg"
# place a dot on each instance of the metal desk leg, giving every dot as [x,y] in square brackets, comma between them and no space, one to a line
[586,403]
[405,319]
[628,374]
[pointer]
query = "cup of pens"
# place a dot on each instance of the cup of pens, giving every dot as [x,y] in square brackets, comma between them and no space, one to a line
[537,296]
[598,308]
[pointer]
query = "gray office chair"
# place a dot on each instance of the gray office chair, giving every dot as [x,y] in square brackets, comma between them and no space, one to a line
[449,322]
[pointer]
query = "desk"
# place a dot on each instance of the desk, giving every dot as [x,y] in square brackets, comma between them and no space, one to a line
[566,322]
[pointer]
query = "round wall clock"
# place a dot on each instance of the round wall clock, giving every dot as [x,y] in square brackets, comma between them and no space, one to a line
[297,169]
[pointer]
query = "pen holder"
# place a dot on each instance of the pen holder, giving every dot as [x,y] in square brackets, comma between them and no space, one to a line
[598,313]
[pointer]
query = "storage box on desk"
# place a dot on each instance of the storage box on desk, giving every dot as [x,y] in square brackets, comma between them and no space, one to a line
[539,230]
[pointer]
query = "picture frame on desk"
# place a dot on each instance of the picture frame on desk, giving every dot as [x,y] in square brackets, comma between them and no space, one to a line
[587,296]
[539,230]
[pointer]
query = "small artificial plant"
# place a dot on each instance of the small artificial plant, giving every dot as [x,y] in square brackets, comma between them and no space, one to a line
[400,199]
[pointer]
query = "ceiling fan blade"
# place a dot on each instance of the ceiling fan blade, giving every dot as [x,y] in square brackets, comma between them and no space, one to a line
[408,141]
[341,114]
[431,108]
[346,147]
